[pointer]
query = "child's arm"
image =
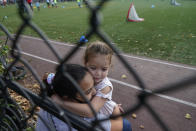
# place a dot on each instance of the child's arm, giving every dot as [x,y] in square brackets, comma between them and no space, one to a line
[117,123]
[81,109]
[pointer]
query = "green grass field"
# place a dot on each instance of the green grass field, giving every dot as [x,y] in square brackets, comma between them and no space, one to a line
[167,33]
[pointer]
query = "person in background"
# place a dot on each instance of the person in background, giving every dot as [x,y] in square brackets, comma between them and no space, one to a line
[55,3]
[52,3]
[48,3]
[79,3]
[38,5]
[4,3]
[30,4]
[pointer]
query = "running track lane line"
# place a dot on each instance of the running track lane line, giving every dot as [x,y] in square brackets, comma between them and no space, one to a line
[123,83]
[129,56]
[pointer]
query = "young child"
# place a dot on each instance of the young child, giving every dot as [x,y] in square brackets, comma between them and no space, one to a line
[97,59]
[57,84]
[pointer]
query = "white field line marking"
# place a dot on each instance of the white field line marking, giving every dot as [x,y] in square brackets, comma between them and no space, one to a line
[129,56]
[40,58]
[123,83]
[160,62]
[160,95]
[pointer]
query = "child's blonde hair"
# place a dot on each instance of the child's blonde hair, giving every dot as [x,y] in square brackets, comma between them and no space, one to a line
[95,48]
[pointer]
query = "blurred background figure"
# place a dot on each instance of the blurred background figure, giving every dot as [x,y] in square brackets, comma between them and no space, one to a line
[4,2]
[79,3]
[30,4]
[37,4]
[55,3]
[52,3]
[48,3]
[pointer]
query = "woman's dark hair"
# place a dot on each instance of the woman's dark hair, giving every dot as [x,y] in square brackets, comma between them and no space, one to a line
[62,86]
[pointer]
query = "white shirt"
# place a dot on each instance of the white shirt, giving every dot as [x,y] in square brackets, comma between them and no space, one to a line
[109,105]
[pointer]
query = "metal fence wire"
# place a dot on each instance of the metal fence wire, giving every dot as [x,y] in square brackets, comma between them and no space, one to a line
[13,118]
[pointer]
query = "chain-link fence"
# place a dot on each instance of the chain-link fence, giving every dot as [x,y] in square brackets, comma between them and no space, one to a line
[13,118]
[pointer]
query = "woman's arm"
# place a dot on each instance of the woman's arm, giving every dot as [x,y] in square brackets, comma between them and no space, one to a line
[80,109]
[83,109]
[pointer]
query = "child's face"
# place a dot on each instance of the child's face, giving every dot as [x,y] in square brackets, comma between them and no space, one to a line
[99,66]
[87,85]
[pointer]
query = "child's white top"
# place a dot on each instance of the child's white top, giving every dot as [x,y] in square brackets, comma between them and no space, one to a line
[109,105]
